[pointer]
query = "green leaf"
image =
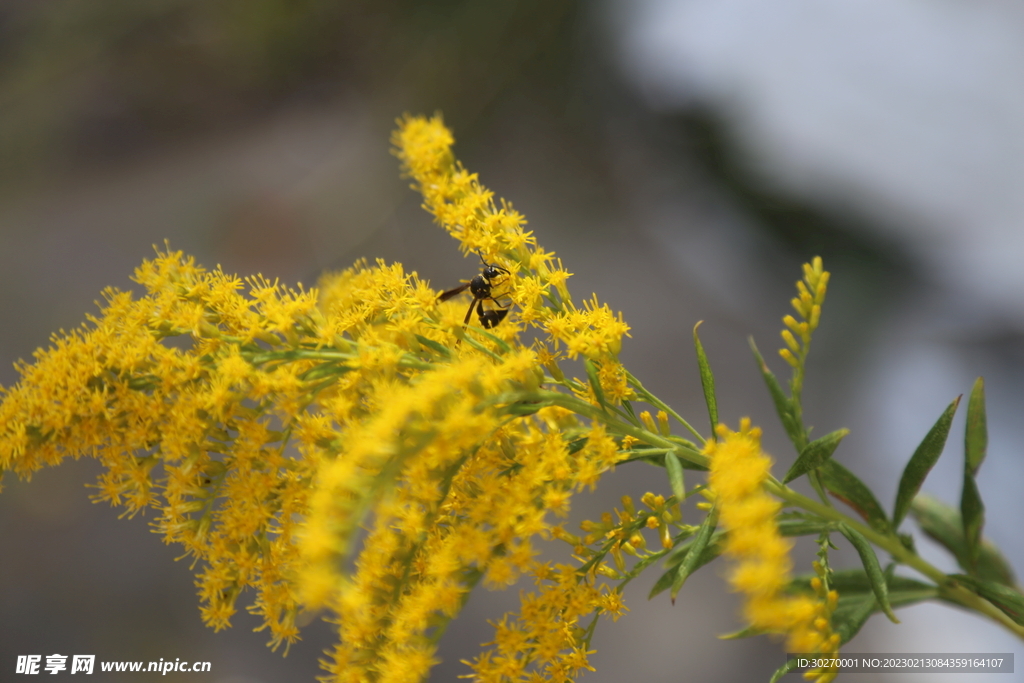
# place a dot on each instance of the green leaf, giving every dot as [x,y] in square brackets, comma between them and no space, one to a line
[844,485]
[924,458]
[802,526]
[782,671]
[747,632]
[848,582]
[522,408]
[663,583]
[879,585]
[851,615]
[672,561]
[685,447]
[815,454]
[628,407]
[437,347]
[976,436]
[857,601]
[707,379]
[783,406]
[692,561]
[678,554]
[675,476]
[595,383]
[1005,598]
[972,510]
[942,523]
[577,445]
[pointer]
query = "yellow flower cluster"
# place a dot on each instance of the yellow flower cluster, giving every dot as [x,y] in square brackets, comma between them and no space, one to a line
[197,429]
[358,448]
[738,470]
[622,533]
[545,641]
[810,296]
[466,209]
[438,440]
[827,641]
[458,486]
[270,426]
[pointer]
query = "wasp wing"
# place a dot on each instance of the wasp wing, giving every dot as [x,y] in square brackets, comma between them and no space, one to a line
[455,291]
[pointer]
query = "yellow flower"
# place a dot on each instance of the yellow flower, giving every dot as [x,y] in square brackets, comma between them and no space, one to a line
[269,427]
[738,470]
[467,210]
[209,413]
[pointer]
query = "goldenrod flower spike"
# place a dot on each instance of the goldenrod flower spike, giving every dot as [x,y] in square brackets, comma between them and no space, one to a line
[738,471]
[469,212]
[811,295]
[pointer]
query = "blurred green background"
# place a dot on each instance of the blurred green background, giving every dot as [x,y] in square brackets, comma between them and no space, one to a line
[650,144]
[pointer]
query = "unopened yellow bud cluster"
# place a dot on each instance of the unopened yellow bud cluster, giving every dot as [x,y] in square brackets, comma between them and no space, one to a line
[621,533]
[810,296]
[825,641]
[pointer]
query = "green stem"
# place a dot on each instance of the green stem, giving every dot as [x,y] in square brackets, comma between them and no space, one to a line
[948,587]
[661,405]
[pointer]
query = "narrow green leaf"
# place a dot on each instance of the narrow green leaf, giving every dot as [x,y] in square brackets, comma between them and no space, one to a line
[637,569]
[688,446]
[663,583]
[879,585]
[577,445]
[844,485]
[679,553]
[976,436]
[921,463]
[1005,598]
[707,379]
[693,559]
[903,597]
[849,582]
[857,601]
[675,476]
[942,523]
[802,527]
[503,347]
[628,407]
[783,406]
[782,671]
[851,615]
[815,454]
[521,408]
[673,562]
[747,632]
[437,347]
[972,510]
[595,383]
